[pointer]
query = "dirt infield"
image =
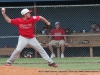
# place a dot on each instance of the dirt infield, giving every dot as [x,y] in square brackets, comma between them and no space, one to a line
[12,70]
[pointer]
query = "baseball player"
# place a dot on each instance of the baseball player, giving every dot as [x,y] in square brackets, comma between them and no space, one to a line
[60,40]
[25,26]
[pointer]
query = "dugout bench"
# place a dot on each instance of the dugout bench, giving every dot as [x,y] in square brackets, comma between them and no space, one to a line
[6,51]
[75,40]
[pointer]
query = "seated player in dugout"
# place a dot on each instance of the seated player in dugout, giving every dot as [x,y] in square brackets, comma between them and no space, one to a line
[57,37]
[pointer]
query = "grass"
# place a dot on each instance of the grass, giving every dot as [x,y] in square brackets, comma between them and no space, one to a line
[76,63]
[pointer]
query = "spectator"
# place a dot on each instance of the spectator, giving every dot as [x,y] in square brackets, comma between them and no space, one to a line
[94,28]
[46,30]
[57,39]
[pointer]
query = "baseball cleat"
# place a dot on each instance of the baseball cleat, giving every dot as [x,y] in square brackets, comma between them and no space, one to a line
[53,65]
[8,64]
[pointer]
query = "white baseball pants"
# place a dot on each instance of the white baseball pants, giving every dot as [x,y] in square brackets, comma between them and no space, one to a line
[22,42]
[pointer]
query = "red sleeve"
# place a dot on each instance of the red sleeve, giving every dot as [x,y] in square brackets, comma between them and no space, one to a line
[14,22]
[36,18]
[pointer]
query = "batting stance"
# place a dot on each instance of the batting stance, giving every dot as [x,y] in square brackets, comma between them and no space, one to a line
[26,35]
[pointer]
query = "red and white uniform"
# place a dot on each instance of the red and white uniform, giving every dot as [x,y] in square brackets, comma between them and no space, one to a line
[57,34]
[26,27]
[26,36]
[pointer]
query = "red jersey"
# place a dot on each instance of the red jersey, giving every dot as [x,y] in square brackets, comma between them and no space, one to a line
[25,27]
[57,34]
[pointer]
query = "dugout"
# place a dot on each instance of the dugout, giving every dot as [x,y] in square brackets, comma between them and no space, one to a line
[75,17]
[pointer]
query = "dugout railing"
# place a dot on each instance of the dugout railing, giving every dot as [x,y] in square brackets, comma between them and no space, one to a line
[76,41]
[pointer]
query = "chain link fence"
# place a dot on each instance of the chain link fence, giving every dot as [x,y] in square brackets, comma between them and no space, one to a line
[80,22]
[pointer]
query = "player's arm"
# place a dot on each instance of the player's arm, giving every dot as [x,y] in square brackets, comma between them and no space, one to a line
[50,39]
[66,44]
[65,39]
[5,16]
[44,20]
[63,33]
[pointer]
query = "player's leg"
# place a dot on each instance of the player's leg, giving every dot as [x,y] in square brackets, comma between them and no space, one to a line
[62,44]
[35,44]
[22,42]
[53,42]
